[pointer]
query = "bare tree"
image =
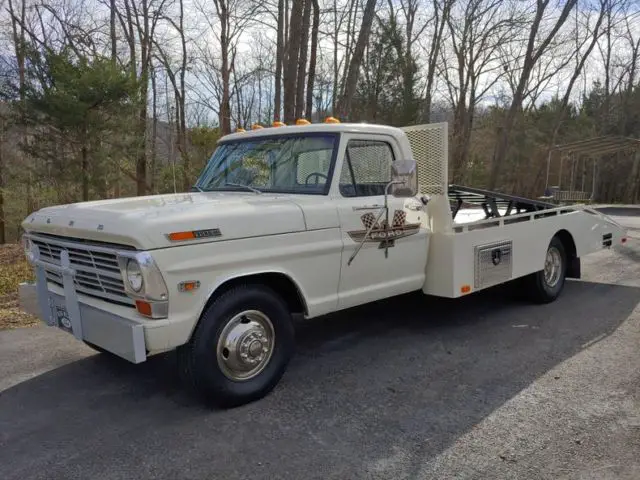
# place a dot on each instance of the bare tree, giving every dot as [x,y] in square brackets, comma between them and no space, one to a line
[291,64]
[313,58]
[222,9]
[476,31]
[228,22]
[18,15]
[441,12]
[414,29]
[302,59]
[139,23]
[280,49]
[338,18]
[112,31]
[535,49]
[344,104]
[584,47]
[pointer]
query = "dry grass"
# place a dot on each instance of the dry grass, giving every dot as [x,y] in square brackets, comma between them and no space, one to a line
[13,270]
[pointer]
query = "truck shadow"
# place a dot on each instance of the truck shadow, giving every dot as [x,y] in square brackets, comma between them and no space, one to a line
[410,373]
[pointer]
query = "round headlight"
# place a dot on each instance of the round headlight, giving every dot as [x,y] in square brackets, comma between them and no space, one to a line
[134,275]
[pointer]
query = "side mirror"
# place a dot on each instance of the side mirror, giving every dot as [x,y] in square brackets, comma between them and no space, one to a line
[404,178]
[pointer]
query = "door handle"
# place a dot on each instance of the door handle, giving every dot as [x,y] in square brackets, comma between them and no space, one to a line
[368,207]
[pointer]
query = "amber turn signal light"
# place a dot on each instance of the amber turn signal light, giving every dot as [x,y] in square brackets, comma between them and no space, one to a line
[178,236]
[144,308]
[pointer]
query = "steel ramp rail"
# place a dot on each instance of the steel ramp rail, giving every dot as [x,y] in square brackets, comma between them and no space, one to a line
[492,202]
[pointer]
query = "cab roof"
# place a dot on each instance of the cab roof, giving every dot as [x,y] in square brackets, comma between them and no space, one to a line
[316,128]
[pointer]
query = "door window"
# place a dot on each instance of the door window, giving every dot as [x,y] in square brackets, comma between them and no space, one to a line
[313,167]
[367,168]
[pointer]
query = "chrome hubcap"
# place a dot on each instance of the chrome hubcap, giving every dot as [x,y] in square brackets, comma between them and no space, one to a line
[552,267]
[245,345]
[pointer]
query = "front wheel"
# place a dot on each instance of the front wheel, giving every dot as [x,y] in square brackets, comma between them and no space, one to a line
[545,286]
[241,347]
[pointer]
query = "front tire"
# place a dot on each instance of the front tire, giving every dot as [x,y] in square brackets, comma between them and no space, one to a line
[547,284]
[240,348]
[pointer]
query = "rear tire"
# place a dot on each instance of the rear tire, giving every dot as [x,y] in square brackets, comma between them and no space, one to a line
[240,348]
[547,284]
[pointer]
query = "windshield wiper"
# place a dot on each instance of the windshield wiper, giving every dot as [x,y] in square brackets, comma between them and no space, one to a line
[251,189]
[196,188]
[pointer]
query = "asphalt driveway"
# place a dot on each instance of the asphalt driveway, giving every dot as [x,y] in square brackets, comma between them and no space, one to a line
[483,387]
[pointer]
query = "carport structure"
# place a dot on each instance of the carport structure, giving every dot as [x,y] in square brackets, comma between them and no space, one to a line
[581,158]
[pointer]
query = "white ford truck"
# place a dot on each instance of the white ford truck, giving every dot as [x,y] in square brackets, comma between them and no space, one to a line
[301,220]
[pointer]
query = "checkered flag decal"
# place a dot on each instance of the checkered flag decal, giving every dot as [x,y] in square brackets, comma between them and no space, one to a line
[399,217]
[368,220]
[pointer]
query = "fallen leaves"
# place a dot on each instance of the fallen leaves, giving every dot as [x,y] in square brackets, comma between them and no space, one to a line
[14,269]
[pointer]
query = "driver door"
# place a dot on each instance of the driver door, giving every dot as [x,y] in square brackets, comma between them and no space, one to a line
[392,259]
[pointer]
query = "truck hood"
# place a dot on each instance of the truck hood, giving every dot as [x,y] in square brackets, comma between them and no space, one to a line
[145,222]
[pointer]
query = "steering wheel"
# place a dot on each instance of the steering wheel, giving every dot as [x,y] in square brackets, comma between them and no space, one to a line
[317,175]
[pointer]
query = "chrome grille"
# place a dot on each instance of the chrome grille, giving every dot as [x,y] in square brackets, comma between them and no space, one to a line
[97,271]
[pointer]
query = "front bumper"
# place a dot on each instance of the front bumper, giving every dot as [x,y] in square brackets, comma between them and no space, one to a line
[116,334]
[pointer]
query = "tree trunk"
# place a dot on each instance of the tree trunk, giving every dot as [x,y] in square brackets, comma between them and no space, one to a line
[336,49]
[604,121]
[277,106]
[186,166]
[348,45]
[312,58]
[154,129]
[84,160]
[144,34]
[131,40]
[225,103]
[141,159]
[441,17]
[291,67]
[302,60]
[112,31]
[344,105]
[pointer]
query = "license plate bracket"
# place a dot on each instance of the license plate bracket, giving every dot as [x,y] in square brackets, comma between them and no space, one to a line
[61,317]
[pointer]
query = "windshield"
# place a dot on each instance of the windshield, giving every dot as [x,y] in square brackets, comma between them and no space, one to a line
[283,164]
